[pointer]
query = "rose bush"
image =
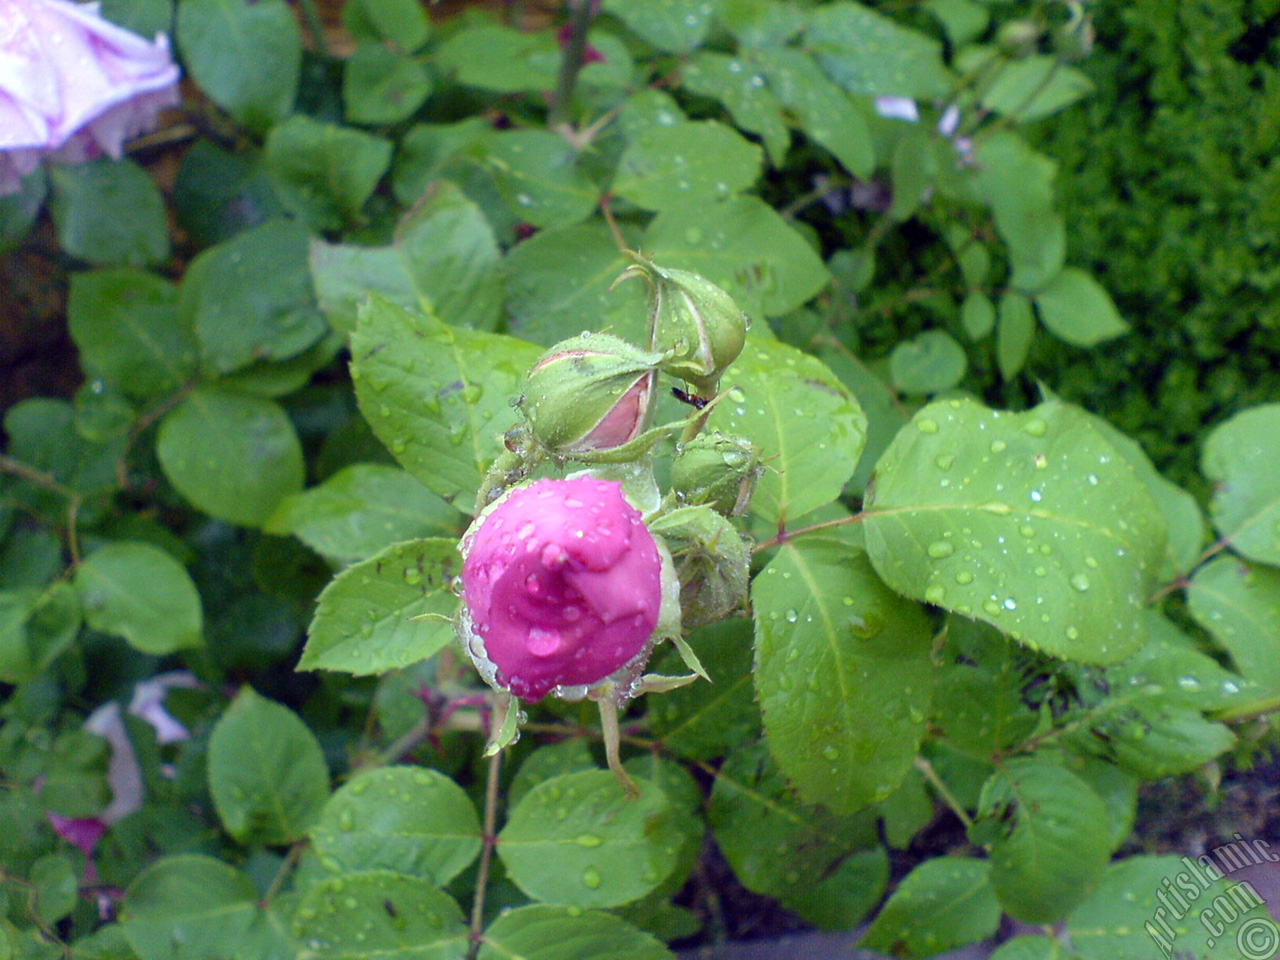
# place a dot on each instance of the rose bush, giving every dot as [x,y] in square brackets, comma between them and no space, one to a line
[562,588]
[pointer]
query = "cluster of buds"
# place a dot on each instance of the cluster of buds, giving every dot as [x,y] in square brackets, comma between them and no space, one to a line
[568,584]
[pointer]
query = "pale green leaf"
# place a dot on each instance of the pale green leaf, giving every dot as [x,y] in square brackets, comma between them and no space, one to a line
[1242,460]
[540,177]
[139,592]
[498,58]
[944,903]
[736,84]
[1014,336]
[1239,604]
[1075,308]
[1017,183]
[928,363]
[189,907]
[540,932]
[1030,521]
[978,314]
[689,163]
[1035,87]
[363,622]
[842,673]
[380,86]
[674,26]
[868,53]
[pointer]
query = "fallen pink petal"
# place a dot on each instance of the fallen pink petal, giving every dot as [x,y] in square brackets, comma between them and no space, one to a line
[74,86]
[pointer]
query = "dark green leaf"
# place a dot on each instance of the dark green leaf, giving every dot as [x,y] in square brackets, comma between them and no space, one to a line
[266,773]
[245,54]
[109,212]
[943,903]
[408,820]
[578,839]
[218,193]
[686,164]
[323,172]
[233,456]
[1242,460]
[566,933]
[842,673]
[139,592]
[977,703]
[363,622]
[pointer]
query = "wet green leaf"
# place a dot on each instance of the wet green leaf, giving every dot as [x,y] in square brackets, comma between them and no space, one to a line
[1239,604]
[741,88]
[686,164]
[675,26]
[1242,460]
[868,53]
[943,903]
[323,172]
[540,932]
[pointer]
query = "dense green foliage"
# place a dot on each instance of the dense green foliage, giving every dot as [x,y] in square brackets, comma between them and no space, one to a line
[250,509]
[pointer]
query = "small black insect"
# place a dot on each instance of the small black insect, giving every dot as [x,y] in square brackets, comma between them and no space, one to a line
[692,399]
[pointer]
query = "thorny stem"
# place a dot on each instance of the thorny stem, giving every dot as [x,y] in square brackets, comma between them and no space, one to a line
[486,854]
[926,769]
[607,213]
[570,62]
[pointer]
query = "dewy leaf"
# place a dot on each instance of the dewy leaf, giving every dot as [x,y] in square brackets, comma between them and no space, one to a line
[363,621]
[379,915]
[126,328]
[942,904]
[689,163]
[1075,308]
[1029,521]
[559,277]
[139,592]
[743,246]
[842,673]
[410,820]
[1035,87]
[1158,906]
[674,26]
[266,773]
[250,299]
[540,932]
[1242,459]
[824,111]
[1239,604]
[361,510]
[809,428]
[245,54]
[1053,843]
[324,172]
[438,396]
[577,839]
[868,53]
[802,856]
[233,456]
[189,907]
[736,84]
[540,178]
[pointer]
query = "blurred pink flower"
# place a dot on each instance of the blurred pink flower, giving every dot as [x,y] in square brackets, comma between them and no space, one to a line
[73,86]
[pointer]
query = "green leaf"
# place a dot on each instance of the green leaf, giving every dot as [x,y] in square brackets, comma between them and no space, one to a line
[930,363]
[234,456]
[16,656]
[1017,329]
[443,257]
[109,212]
[963,20]
[250,298]
[189,908]
[1239,604]
[978,314]
[977,703]
[553,759]
[1017,183]
[811,860]
[1035,87]
[558,277]
[497,58]
[245,54]
[577,839]
[1242,460]
[689,163]
[540,932]
[1053,842]
[540,177]
[1153,735]
[42,434]
[1030,947]
[868,53]
[742,90]
[55,887]
[139,592]
[823,111]
[698,722]
[379,916]
[1029,521]
[1075,308]
[809,428]
[743,246]
[126,327]
[673,26]
[323,172]
[361,510]
[942,904]
[380,86]
[401,22]
[266,773]
[438,396]
[218,193]
[363,621]
[1161,906]
[842,673]
[408,820]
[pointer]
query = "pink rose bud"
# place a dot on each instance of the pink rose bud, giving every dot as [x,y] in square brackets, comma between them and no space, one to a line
[561,587]
[74,86]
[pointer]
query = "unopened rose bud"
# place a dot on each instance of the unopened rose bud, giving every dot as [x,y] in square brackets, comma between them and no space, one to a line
[589,393]
[562,589]
[712,562]
[694,322]
[1018,37]
[717,469]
